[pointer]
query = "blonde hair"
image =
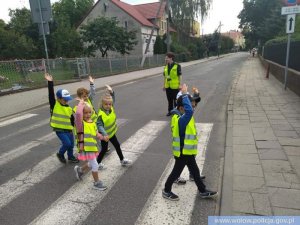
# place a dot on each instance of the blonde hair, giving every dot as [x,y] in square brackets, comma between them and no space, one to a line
[106,97]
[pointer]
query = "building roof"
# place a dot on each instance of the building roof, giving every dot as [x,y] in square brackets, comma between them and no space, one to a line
[149,10]
[132,11]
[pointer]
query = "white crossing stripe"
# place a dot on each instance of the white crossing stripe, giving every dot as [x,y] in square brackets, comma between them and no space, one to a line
[23,149]
[81,199]
[158,210]
[26,129]
[14,187]
[17,119]
[24,181]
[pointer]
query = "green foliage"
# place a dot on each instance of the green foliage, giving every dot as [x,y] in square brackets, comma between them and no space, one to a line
[185,12]
[261,20]
[105,35]
[158,47]
[72,11]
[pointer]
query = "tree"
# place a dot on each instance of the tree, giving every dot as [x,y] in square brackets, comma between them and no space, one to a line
[72,11]
[64,39]
[105,35]
[261,20]
[14,45]
[185,12]
[158,47]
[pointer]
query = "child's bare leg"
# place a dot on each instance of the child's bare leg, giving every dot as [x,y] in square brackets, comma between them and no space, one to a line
[85,167]
[95,176]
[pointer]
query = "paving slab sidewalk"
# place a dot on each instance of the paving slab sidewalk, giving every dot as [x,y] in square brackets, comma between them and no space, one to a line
[262,157]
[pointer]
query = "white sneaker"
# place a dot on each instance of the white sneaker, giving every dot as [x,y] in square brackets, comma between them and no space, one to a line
[99,186]
[78,172]
[126,162]
[101,166]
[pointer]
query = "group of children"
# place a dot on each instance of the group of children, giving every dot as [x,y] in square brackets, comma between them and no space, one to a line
[88,126]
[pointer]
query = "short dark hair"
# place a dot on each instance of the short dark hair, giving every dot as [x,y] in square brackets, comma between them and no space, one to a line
[170,55]
[179,100]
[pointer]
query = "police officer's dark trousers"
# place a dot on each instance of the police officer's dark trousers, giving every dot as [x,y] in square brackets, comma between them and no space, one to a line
[180,163]
[171,96]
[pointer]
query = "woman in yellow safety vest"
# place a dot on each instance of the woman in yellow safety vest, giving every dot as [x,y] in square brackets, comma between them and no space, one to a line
[172,80]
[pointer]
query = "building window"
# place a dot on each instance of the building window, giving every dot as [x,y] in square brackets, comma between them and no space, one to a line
[126,25]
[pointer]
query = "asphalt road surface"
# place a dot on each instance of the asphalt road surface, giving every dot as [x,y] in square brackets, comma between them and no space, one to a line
[36,189]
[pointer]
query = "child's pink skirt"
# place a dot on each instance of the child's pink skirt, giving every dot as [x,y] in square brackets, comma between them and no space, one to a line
[84,156]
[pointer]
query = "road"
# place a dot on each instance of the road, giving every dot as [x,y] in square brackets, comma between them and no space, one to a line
[35,188]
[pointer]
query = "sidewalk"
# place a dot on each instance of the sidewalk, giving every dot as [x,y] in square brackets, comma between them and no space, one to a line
[262,157]
[22,101]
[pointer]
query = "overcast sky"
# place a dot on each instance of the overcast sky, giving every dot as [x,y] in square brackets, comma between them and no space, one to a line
[221,10]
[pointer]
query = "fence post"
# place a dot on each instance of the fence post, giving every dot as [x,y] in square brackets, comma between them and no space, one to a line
[110,68]
[268,71]
[87,62]
[126,63]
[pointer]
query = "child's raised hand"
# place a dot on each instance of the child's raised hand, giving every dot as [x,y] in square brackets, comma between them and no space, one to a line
[48,77]
[184,89]
[91,79]
[109,88]
[195,90]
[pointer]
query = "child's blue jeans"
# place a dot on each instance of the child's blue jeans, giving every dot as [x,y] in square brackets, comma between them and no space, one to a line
[67,140]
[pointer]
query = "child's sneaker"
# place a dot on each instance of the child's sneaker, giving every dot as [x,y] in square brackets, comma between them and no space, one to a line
[78,172]
[180,180]
[99,186]
[73,159]
[170,195]
[126,162]
[208,194]
[61,158]
[101,166]
[202,177]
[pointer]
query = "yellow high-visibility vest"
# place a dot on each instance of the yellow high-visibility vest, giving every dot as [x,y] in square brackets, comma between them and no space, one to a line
[94,115]
[109,121]
[61,117]
[190,139]
[90,137]
[171,80]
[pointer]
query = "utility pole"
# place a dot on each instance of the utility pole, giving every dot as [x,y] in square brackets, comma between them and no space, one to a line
[219,42]
[168,27]
[152,31]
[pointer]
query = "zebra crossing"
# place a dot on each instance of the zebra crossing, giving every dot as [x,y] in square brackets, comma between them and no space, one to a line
[80,200]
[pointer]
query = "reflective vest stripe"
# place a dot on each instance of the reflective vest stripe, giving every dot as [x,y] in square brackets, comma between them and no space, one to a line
[190,141]
[109,121]
[89,137]
[61,117]
[171,80]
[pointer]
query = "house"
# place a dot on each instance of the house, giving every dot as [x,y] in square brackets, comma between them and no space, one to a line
[237,37]
[133,17]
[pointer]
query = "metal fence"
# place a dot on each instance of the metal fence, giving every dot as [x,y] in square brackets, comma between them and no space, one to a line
[20,75]
[277,54]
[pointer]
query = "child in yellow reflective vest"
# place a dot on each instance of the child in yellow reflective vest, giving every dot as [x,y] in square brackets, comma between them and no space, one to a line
[184,146]
[107,126]
[62,120]
[87,135]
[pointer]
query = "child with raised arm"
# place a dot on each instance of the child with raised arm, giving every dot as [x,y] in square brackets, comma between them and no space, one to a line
[62,120]
[87,135]
[184,147]
[88,96]
[107,126]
